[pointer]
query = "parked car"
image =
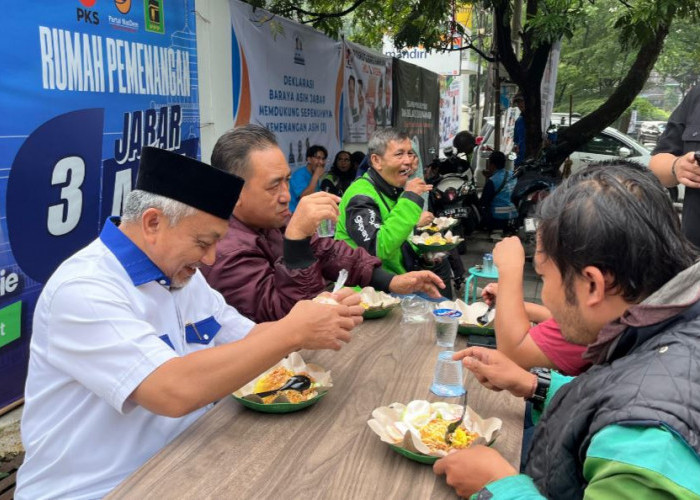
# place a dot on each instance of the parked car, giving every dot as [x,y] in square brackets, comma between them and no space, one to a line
[649,132]
[608,144]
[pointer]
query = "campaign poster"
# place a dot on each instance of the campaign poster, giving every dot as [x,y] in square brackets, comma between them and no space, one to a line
[85,85]
[416,108]
[288,78]
[450,107]
[367,90]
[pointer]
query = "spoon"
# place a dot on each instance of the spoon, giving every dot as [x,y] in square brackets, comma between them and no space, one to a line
[453,426]
[484,318]
[295,383]
[340,282]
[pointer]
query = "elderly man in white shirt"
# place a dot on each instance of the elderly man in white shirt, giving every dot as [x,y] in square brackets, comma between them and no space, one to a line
[130,345]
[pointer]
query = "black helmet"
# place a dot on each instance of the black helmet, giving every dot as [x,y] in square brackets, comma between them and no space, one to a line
[464,142]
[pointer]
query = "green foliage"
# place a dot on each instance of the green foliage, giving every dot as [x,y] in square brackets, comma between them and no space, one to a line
[593,62]
[555,20]
[645,109]
[607,42]
[680,58]
[638,23]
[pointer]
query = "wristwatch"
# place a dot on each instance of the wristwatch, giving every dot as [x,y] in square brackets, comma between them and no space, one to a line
[544,379]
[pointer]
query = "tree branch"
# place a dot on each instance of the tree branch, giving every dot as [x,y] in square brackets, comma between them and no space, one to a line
[317,16]
[504,46]
[471,46]
[531,10]
[623,2]
[587,127]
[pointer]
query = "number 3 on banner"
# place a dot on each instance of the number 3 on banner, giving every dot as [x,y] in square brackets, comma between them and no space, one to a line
[64,217]
[53,191]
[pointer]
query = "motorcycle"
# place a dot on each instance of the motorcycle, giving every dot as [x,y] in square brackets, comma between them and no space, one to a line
[454,194]
[536,179]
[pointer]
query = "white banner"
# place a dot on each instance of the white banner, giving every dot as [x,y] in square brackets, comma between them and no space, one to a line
[288,78]
[368,90]
[633,123]
[549,84]
[442,63]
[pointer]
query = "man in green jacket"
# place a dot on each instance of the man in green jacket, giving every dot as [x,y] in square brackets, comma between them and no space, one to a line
[620,278]
[380,209]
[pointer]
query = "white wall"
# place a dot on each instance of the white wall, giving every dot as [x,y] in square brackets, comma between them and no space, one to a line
[214,68]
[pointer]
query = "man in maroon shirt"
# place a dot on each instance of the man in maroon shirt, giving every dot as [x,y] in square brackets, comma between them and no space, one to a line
[268,261]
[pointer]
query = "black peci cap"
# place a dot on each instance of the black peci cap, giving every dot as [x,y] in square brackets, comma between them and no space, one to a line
[188,181]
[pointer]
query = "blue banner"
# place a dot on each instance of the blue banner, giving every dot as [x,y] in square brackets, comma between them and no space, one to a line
[85,85]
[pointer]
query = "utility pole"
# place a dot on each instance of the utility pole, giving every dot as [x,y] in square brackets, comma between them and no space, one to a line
[497,88]
[477,115]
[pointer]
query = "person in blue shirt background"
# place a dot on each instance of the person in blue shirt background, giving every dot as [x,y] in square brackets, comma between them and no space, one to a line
[305,180]
[497,209]
[519,131]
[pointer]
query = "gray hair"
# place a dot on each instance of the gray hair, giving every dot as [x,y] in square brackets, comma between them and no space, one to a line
[139,201]
[233,149]
[382,137]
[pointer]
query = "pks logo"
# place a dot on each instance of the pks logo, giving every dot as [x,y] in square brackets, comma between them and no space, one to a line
[85,14]
[123,6]
[153,11]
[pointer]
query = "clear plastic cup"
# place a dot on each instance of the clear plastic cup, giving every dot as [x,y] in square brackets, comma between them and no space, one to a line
[446,325]
[447,381]
[487,263]
[415,309]
[326,228]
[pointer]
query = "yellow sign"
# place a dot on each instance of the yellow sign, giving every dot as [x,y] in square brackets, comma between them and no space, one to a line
[464,16]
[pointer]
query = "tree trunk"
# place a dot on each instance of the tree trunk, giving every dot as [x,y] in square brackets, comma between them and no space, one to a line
[587,127]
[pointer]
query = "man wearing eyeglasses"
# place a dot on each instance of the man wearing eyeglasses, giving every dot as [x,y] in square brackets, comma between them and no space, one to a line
[380,209]
[304,180]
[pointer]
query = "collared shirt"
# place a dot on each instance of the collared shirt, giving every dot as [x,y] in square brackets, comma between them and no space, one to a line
[105,320]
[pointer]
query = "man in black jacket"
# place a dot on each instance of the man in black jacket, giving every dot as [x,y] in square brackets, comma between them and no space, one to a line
[620,278]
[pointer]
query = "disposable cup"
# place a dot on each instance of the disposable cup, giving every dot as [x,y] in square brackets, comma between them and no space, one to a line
[446,325]
[415,309]
[447,381]
[326,228]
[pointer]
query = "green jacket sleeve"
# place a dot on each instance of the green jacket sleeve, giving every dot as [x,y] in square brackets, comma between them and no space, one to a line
[398,226]
[624,463]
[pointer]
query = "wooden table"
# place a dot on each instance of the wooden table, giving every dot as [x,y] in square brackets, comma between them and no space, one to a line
[327,450]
